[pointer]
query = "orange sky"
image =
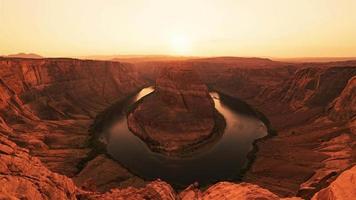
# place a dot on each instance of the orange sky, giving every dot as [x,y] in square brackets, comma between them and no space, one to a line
[274,28]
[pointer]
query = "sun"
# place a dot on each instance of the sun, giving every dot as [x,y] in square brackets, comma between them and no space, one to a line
[181,44]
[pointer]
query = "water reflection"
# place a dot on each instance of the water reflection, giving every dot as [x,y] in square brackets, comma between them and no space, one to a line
[223,160]
[143,92]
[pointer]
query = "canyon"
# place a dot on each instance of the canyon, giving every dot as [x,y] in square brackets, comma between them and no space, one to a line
[49,148]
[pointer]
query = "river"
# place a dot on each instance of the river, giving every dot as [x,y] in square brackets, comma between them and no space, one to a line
[223,159]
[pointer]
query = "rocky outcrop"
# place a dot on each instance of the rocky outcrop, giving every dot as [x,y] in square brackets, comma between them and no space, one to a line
[179,114]
[342,188]
[227,190]
[344,106]
[48,105]
[154,190]
[101,174]
[24,177]
[162,191]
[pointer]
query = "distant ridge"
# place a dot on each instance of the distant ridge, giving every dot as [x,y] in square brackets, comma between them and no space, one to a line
[315,59]
[138,58]
[228,59]
[24,55]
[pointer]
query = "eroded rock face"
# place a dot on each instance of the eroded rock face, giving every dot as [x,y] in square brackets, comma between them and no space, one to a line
[162,191]
[313,87]
[55,89]
[25,177]
[315,140]
[344,107]
[101,174]
[179,114]
[309,105]
[154,190]
[227,190]
[48,105]
[344,187]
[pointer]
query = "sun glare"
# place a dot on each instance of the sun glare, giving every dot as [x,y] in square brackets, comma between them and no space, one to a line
[181,45]
[252,28]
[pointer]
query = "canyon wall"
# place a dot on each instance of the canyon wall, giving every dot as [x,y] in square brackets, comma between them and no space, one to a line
[311,108]
[47,106]
[313,112]
[63,88]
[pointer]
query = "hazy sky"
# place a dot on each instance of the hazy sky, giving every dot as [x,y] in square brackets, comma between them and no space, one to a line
[275,28]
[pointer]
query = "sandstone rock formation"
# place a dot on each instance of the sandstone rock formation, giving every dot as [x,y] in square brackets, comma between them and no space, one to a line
[344,106]
[47,106]
[342,188]
[179,114]
[162,191]
[24,177]
[155,190]
[101,174]
[226,190]
[312,145]
[308,105]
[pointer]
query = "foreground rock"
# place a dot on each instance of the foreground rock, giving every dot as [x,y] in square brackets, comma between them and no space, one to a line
[178,115]
[101,174]
[24,177]
[159,190]
[344,187]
